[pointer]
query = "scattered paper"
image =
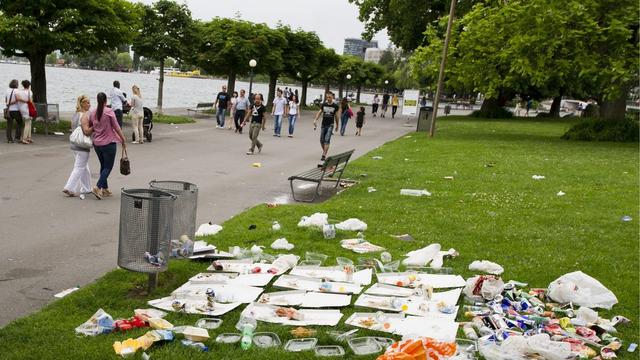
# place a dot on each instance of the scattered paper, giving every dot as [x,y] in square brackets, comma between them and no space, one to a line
[208,229]
[538,177]
[560,193]
[360,246]
[371,189]
[266,313]
[414,192]
[64,293]
[377,157]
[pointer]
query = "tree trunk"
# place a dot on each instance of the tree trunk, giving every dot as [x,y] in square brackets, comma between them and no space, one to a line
[38,77]
[489,105]
[614,109]
[160,85]
[358,94]
[231,83]
[273,79]
[340,89]
[555,106]
[327,87]
[303,97]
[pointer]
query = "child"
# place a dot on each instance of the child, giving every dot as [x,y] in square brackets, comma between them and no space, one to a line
[359,121]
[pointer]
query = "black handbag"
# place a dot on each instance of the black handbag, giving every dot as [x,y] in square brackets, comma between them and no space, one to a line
[6,110]
[125,165]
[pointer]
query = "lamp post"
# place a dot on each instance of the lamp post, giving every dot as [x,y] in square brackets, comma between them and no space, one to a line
[252,64]
[348,78]
[386,86]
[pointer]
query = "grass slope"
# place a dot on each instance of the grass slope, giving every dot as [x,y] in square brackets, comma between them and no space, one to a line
[491,210]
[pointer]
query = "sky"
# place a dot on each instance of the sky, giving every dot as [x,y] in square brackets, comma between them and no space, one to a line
[332,20]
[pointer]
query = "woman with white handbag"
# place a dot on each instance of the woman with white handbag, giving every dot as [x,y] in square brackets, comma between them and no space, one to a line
[79,181]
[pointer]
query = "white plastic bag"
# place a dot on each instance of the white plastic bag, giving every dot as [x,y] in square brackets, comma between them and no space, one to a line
[422,257]
[486,266]
[491,286]
[317,220]
[581,289]
[208,229]
[438,260]
[286,261]
[352,225]
[282,244]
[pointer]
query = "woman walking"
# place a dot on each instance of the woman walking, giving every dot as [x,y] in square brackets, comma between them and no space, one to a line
[346,114]
[394,105]
[292,110]
[375,104]
[258,121]
[79,181]
[137,115]
[13,105]
[105,132]
[232,111]
[25,96]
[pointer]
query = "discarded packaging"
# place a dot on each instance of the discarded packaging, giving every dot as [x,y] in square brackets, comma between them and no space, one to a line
[297,345]
[256,165]
[538,177]
[195,334]
[627,218]
[422,256]
[282,244]
[266,340]
[561,193]
[414,192]
[209,323]
[64,293]
[486,266]
[364,346]
[581,289]
[404,237]
[197,345]
[329,351]
[146,314]
[275,226]
[352,225]
[99,323]
[317,220]
[483,287]
[159,324]
[360,246]
[371,189]
[208,229]
[228,338]
[329,231]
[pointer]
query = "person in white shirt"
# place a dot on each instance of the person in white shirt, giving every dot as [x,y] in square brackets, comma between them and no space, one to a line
[117,98]
[137,115]
[232,110]
[375,104]
[25,96]
[12,103]
[292,111]
[241,106]
[279,104]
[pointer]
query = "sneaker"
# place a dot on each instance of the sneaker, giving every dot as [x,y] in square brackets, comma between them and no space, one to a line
[106,193]
[68,193]
[259,149]
[290,136]
[323,158]
[249,152]
[97,193]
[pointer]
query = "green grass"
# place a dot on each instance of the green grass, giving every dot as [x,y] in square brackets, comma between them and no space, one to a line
[60,126]
[492,210]
[172,119]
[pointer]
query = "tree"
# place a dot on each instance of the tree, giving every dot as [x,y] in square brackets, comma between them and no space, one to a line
[168,31]
[52,58]
[271,57]
[76,27]
[405,21]
[123,61]
[306,58]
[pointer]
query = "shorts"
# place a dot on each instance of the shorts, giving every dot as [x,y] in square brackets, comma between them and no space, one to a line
[325,134]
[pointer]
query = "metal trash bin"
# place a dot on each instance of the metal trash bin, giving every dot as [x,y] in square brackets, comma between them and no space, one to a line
[447,109]
[146,220]
[424,118]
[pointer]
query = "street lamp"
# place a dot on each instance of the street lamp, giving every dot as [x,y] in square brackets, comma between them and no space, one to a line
[252,64]
[348,78]
[386,86]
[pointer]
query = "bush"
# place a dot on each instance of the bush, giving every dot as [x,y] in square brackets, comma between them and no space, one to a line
[604,130]
[493,113]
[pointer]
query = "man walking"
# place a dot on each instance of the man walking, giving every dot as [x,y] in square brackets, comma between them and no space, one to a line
[222,101]
[117,98]
[330,115]
[258,122]
[385,104]
[277,111]
[242,105]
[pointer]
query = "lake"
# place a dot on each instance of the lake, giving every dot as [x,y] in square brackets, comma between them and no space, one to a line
[64,85]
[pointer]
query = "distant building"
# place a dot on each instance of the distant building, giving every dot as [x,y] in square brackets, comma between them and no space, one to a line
[358,47]
[373,55]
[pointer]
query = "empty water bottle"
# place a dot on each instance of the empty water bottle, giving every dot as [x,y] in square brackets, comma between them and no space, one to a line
[247,333]
[386,257]
[329,231]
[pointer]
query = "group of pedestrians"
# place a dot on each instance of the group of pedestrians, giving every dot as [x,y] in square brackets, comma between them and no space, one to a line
[19,112]
[395,102]
[103,124]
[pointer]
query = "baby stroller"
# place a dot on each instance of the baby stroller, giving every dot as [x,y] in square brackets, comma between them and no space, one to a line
[147,124]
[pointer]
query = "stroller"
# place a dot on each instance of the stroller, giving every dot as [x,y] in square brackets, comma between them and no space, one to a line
[147,124]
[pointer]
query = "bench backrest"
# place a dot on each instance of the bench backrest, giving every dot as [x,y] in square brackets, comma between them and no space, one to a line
[335,163]
[204,105]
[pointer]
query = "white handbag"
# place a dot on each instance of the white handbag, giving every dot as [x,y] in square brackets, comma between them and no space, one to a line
[78,138]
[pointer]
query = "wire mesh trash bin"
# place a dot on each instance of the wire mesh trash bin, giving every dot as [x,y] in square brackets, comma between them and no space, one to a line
[184,214]
[424,118]
[146,219]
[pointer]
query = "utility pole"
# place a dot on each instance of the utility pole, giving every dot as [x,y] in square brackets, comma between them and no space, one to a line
[443,64]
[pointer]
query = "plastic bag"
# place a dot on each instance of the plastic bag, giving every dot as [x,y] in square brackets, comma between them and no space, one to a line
[316,220]
[282,244]
[286,261]
[208,229]
[483,286]
[486,267]
[352,225]
[422,256]
[438,260]
[581,289]
[99,323]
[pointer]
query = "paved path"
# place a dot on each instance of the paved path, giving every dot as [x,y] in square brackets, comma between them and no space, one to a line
[51,243]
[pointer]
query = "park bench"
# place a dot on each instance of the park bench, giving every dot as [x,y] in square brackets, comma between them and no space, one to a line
[200,108]
[333,165]
[47,113]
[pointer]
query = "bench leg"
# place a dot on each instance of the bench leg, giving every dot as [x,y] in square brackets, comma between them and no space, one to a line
[315,193]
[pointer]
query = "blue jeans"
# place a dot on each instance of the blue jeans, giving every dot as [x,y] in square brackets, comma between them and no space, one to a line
[292,123]
[220,116]
[325,134]
[107,156]
[344,119]
[277,125]
[118,116]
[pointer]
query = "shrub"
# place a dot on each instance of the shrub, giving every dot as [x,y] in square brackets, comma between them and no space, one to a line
[493,113]
[626,130]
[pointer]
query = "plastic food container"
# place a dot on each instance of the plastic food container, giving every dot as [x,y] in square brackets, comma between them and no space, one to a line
[228,338]
[195,334]
[296,345]
[266,340]
[209,323]
[329,351]
[384,342]
[159,324]
[310,263]
[343,261]
[364,346]
[316,256]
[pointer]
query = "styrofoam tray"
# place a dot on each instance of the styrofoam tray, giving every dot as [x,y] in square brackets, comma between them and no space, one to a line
[193,306]
[333,273]
[266,313]
[311,284]
[437,281]
[388,325]
[389,290]
[283,298]
[224,292]
[245,266]
[200,246]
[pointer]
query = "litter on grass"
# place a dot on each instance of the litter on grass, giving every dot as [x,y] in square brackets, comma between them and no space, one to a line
[290,316]
[376,157]
[208,229]
[352,225]
[414,192]
[371,189]
[64,293]
[581,289]
[312,284]
[561,193]
[538,177]
[317,220]
[282,244]
[404,237]
[360,246]
[486,266]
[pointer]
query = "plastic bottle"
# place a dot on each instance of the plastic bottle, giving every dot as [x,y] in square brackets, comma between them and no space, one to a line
[469,332]
[247,334]
[386,257]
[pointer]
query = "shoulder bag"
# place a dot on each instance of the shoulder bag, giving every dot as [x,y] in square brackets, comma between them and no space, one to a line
[78,138]
[6,109]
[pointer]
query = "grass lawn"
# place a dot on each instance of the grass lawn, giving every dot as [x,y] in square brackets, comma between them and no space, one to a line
[166,119]
[491,210]
[61,126]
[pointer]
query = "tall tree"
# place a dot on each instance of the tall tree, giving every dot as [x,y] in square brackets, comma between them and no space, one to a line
[168,31]
[271,57]
[306,58]
[33,29]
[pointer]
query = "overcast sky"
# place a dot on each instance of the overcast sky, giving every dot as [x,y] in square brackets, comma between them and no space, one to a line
[332,20]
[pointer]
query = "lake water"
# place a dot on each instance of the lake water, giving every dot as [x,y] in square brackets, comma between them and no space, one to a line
[64,85]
